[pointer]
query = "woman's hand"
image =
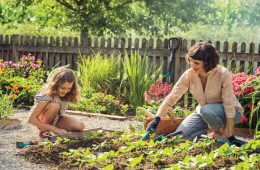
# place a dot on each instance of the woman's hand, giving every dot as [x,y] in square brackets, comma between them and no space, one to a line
[59,131]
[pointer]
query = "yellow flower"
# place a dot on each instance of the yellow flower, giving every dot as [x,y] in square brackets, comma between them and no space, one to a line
[1,60]
[30,77]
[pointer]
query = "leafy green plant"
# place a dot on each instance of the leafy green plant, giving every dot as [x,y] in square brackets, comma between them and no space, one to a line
[79,163]
[99,73]
[67,140]
[100,103]
[64,154]
[138,78]
[134,161]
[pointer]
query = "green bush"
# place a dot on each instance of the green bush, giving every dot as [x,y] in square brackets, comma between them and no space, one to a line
[99,73]
[99,103]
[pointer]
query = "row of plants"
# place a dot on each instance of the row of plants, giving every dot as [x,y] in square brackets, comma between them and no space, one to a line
[109,150]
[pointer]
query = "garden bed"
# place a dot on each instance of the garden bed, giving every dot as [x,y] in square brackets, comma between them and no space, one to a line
[111,149]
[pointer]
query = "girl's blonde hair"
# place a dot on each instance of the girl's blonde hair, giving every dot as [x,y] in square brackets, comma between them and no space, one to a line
[62,75]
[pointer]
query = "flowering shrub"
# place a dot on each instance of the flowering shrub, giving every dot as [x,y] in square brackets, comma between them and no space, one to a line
[246,89]
[7,100]
[24,68]
[157,92]
[26,74]
[155,96]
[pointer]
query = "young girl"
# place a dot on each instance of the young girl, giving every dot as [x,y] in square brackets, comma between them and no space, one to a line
[51,101]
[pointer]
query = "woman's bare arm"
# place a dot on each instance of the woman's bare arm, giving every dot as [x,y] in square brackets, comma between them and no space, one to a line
[163,109]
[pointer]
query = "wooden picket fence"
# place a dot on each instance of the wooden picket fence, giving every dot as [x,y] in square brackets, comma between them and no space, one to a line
[52,52]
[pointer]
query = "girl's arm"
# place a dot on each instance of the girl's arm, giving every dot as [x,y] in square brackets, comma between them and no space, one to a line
[34,120]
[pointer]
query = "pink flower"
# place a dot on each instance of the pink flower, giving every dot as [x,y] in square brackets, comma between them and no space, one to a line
[244,118]
[33,58]
[27,69]
[36,66]
[10,62]
[14,65]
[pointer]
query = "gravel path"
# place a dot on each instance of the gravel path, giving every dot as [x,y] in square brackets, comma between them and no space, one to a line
[8,138]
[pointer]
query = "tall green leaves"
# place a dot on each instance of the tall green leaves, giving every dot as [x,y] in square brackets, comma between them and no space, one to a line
[138,78]
[99,73]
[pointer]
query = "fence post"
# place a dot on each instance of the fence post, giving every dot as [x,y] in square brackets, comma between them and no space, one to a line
[177,67]
[15,43]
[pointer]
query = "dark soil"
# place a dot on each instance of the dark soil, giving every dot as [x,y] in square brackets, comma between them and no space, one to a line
[37,154]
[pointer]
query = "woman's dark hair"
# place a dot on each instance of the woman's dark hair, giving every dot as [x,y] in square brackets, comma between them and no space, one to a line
[205,52]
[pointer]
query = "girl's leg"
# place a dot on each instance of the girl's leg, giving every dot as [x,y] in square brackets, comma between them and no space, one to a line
[70,124]
[49,113]
[215,117]
[193,126]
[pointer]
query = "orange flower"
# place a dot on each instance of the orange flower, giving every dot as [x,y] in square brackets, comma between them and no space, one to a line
[13,96]
[17,91]
[27,87]
[8,87]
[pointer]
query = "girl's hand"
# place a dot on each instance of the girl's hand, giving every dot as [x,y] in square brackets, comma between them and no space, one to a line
[59,131]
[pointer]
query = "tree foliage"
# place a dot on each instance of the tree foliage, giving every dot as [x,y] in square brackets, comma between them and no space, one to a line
[113,16]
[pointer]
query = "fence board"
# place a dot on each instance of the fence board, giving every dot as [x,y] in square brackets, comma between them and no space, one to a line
[51,54]
[233,62]
[39,43]
[21,53]
[69,55]
[6,52]
[27,43]
[34,44]
[63,55]
[165,60]
[57,55]
[150,58]
[157,58]
[75,55]
[45,55]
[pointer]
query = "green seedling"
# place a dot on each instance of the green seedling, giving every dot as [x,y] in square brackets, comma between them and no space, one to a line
[139,145]
[134,161]
[44,144]
[67,140]
[103,156]
[59,139]
[86,138]
[103,144]
[73,141]
[152,143]
[80,164]
[91,158]
[64,154]
[109,167]
[152,135]
[49,144]
[94,134]
[168,151]
[100,133]
[185,163]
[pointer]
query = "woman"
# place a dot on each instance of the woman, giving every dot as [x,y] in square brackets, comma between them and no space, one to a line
[211,85]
